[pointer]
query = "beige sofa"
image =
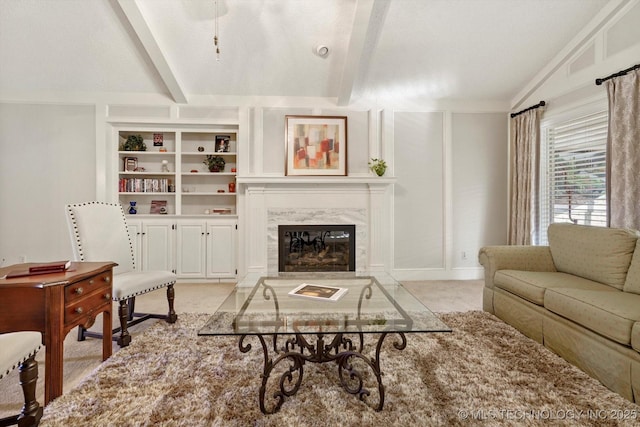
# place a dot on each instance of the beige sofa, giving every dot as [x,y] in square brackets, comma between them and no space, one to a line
[579,296]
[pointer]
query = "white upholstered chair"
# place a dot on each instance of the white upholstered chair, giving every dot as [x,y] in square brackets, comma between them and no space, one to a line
[99,233]
[18,350]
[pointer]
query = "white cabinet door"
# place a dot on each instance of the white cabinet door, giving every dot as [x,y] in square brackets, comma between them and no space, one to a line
[157,245]
[221,249]
[191,249]
[135,234]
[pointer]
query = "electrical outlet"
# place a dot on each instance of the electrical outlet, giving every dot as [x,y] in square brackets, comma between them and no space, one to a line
[23,258]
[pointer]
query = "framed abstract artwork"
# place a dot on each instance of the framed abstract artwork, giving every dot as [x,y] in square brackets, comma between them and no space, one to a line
[316,145]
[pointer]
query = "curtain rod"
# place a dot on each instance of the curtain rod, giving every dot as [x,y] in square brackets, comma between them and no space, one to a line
[540,104]
[618,74]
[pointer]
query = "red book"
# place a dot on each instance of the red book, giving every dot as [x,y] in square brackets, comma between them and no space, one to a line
[49,267]
[40,268]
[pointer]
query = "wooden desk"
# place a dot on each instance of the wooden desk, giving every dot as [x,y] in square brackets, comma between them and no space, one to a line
[54,304]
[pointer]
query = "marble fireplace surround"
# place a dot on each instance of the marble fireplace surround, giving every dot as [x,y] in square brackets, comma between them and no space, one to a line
[276,217]
[362,201]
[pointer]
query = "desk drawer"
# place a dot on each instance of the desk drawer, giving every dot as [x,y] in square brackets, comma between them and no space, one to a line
[89,305]
[79,290]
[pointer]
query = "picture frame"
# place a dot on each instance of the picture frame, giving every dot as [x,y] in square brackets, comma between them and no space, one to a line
[316,145]
[158,139]
[158,207]
[222,143]
[130,164]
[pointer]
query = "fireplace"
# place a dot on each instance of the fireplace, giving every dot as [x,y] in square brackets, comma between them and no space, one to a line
[315,248]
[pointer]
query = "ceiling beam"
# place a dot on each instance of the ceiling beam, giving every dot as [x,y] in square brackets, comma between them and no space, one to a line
[133,14]
[367,25]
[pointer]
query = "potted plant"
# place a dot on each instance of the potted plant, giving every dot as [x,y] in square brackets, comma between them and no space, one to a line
[378,166]
[134,143]
[214,163]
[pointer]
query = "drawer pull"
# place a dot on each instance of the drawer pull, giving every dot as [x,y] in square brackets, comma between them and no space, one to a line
[78,310]
[79,291]
[91,282]
[107,296]
[107,279]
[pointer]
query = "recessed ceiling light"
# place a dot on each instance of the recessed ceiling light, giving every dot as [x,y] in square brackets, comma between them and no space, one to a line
[322,50]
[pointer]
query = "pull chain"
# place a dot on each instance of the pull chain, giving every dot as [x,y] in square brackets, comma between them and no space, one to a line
[215,37]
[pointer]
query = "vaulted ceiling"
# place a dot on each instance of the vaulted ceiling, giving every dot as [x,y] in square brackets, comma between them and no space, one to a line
[381,50]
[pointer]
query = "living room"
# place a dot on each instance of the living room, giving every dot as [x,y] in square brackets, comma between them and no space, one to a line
[87,72]
[439,215]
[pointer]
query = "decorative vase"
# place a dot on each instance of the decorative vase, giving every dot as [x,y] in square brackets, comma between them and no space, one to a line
[232,187]
[132,208]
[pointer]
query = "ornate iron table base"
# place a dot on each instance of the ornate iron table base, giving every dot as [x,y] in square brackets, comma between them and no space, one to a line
[297,351]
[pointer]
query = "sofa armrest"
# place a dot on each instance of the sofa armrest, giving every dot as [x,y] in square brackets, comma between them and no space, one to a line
[526,258]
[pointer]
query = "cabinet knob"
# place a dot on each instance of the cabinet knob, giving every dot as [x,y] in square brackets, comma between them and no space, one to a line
[79,290]
[107,296]
[78,310]
[91,282]
[107,279]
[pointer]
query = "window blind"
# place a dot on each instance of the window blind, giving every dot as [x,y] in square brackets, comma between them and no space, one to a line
[573,173]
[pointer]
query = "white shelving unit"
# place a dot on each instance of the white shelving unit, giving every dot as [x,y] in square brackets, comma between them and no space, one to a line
[173,189]
[187,188]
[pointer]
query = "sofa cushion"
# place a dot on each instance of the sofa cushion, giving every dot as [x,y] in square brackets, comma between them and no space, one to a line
[632,282]
[531,285]
[611,314]
[635,336]
[597,253]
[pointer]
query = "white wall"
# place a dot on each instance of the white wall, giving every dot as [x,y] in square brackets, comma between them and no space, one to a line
[568,81]
[419,207]
[47,159]
[432,210]
[451,193]
[479,186]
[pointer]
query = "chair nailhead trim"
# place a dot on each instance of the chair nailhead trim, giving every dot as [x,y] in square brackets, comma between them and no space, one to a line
[164,285]
[77,235]
[15,365]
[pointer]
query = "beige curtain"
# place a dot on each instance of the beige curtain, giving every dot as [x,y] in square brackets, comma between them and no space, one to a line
[524,148]
[623,151]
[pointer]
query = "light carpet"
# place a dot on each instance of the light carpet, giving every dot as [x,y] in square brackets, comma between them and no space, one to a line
[484,371]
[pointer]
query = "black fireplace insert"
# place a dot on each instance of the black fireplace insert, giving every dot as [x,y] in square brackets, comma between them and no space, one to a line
[315,248]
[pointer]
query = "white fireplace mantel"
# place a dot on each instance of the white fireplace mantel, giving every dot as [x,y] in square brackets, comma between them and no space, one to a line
[328,180]
[363,200]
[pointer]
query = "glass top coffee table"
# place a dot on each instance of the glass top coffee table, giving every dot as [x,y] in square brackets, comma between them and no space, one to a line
[296,320]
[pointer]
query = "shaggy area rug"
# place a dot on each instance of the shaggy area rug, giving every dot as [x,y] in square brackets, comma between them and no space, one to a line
[483,372]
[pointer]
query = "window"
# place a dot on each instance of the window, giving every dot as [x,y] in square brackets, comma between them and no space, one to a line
[572,172]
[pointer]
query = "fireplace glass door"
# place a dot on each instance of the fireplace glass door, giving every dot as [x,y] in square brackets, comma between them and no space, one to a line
[315,248]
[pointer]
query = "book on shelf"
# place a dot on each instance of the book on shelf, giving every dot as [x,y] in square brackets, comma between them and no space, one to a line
[40,268]
[143,185]
[318,292]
